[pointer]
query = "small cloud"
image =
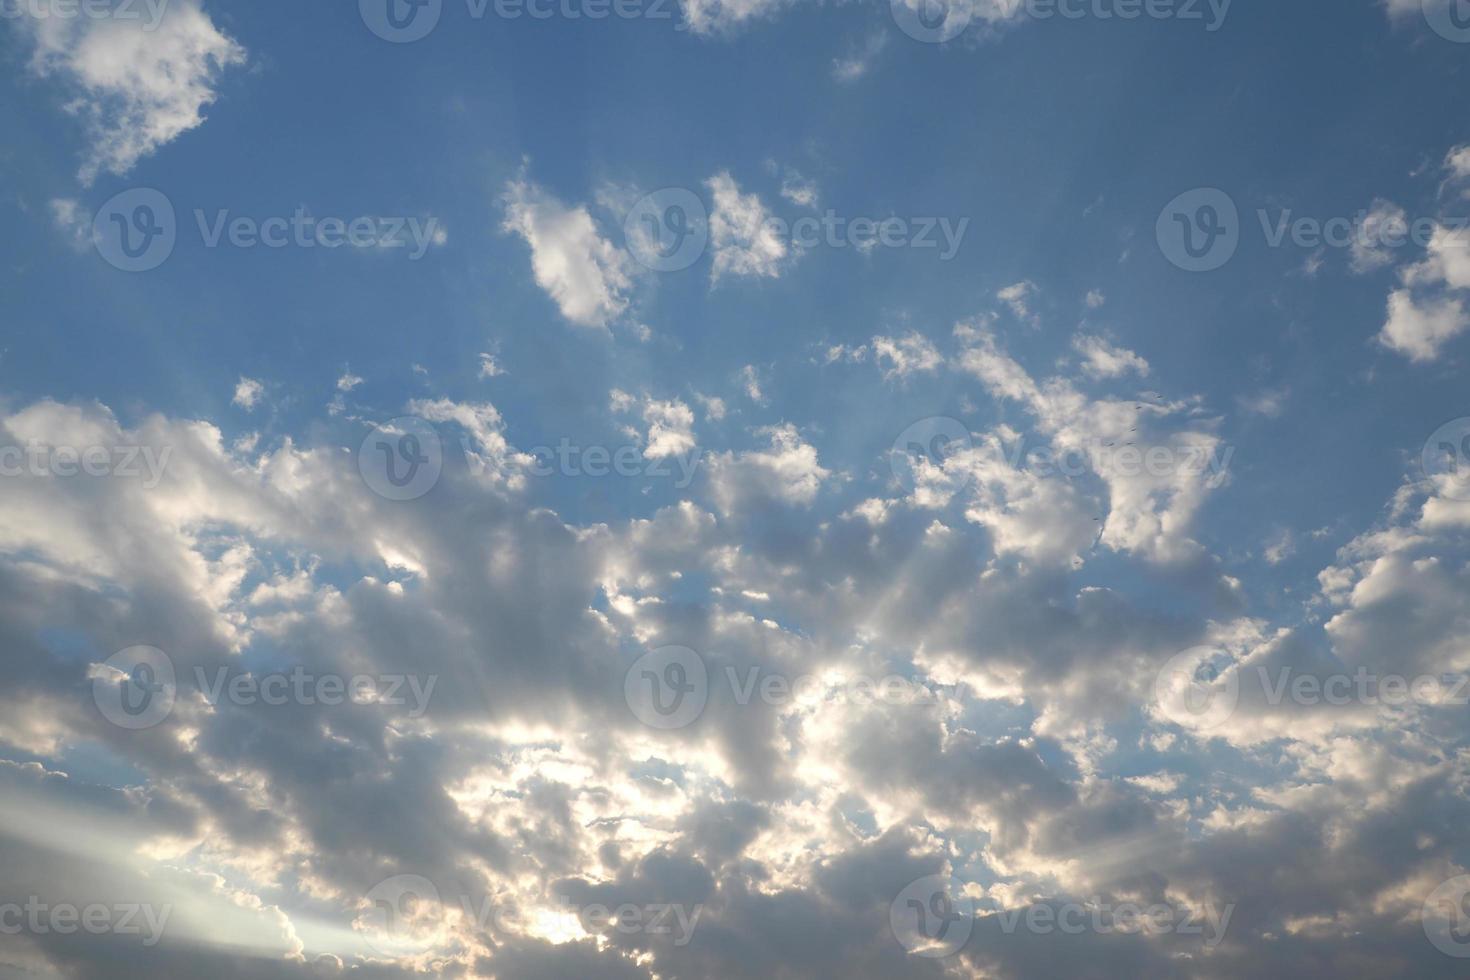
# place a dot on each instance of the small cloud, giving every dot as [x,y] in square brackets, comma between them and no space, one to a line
[799,190]
[714,408]
[73,221]
[1095,299]
[587,276]
[1018,297]
[1419,330]
[742,238]
[1101,359]
[860,60]
[348,381]
[1270,403]
[750,379]
[1282,547]
[248,392]
[906,355]
[1457,166]
[1384,222]
[490,367]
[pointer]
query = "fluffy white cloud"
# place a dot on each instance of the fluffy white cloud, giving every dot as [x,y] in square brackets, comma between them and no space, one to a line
[248,392]
[1101,359]
[910,354]
[587,276]
[73,221]
[1018,297]
[670,424]
[742,236]
[1384,222]
[139,85]
[1418,329]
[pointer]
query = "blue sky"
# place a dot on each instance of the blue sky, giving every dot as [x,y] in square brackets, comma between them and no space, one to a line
[501,303]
